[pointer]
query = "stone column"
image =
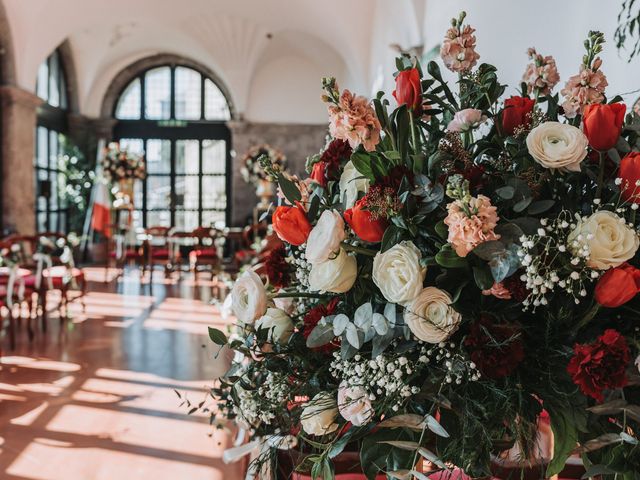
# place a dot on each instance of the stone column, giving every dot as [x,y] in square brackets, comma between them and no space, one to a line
[19,113]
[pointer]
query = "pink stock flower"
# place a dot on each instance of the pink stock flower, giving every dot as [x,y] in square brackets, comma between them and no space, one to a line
[541,74]
[354,120]
[471,224]
[458,49]
[583,89]
[498,290]
[465,120]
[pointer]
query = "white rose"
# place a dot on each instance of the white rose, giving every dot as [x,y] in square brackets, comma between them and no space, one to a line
[319,415]
[351,183]
[430,317]
[248,297]
[336,275]
[398,273]
[325,237]
[354,404]
[278,323]
[557,146]
[609,240]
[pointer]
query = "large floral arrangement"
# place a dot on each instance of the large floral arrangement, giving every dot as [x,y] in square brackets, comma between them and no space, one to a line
[120,164]
[252,170]
[463,268]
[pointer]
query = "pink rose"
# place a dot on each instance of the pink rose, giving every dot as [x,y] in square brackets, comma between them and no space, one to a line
[465,120]
[468,230]
[353,119]
[354,404]
[458,49]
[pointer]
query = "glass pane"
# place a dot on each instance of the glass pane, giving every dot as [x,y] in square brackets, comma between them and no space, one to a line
[137,193]
[137,220]
[215,104]
[157,93]
[188,93]
[54,86]
[129,102]
[63,91]
[186,220]
[42,222]
[213,219]
[214,192]
[42,153]
[62,185]
[62,219]
[158,156]
[53,198]
[41,203]
[53,222]
[53,149]
[187,192]
[158,192]
[42,87]
[159,219]
[187,156]
[214,154]
[133,145]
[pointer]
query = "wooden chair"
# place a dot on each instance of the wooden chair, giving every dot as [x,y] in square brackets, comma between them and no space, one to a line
[157,249]
[205,252]
[180,243]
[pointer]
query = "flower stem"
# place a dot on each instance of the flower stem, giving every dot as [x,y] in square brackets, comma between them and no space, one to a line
[300,295]
[587,317]
[412,126]
[364,251]
[600,174]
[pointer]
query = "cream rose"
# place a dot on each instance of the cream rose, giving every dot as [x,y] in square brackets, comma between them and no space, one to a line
[325,238]
[279,325]
[336,275]
[557,146]
[319,415]
[607,238]
[248,297]
[398,273]
[351,183]
[430,317]
[354,404]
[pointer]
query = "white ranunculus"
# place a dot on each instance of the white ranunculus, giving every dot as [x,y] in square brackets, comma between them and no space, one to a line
[430,317]
[558,146]
[351,183]
[354,404]
[319,415]
[610,242]
[325,237]
[398,273]
[279,325]
[335,275]
[248,297]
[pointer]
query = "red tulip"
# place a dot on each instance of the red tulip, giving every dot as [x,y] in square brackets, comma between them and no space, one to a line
[617,286]
[516,113]
[630,175]
[363,225]
[602,124]
[319,173]
[291,224]
[409,89]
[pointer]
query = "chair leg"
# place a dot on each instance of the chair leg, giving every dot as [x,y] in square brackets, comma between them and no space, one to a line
[30,317]
[12,330]
[43,305]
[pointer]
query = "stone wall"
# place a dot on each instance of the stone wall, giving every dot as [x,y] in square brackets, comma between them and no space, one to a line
[296,141]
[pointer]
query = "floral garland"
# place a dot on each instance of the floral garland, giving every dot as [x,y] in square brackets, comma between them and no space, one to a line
[253,162]
[118,164]
[460,268]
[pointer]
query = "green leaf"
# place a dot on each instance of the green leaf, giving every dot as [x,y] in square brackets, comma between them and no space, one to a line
[565,424]
[217,336]
[540,206]
[362,161]
[435,427]
[377,457]
[598,470]
[442,230]
[448,258]
[507,192]
[289,189]
[411,421]
[483,277]
[522,204]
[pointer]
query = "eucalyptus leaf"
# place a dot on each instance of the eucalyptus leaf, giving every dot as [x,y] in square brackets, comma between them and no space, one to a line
[340,323]
[320,335]
[354,336]
[435,427]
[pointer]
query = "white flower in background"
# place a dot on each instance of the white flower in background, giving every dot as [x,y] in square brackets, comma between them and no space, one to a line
[285,303]
[248,297]
[465,120]
[430,317]
[325,237]
[336,275]
[398,273]
[354,404]
[637,363]
[557,146]
[605,239]
[319,415]
[351,183]
[278,323]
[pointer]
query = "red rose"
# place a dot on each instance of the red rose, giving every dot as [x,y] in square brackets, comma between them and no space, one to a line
[600,365]
[630,175]
[602,124]
[617,286]
[291,224]
[319,173]
[496,349]
[363,224]
[312,318]
[516,113]
[409,89]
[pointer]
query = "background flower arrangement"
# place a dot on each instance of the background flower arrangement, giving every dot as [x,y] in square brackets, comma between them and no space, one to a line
[252,170]
[119,164]
[458,269]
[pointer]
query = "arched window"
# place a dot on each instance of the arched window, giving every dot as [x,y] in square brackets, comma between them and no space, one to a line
[176,115]
[51,86]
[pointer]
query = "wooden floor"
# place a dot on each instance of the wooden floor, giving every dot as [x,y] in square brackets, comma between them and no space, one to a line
[95,400]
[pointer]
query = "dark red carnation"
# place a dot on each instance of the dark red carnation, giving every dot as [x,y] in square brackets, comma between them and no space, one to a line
[394,178]
[312,318]
[335,153]
[496,349]
[277,268]
[600,365]
[517,288]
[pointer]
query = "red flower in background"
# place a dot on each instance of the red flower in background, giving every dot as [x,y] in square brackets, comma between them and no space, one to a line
[409,89]
[602,124]
[277,268]
[364,224]
[630,175]
[319,173]
[516,113]
[600,365]
[291,224]
[496,349]
[517,288]
[617,286]
[328,167]
[312,318]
